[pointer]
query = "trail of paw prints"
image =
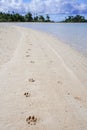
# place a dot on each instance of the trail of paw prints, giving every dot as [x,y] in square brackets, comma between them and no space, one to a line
[27,94]
[31,120]
[27,52]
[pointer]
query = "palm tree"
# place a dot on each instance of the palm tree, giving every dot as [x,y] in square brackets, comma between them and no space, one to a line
[36,19]
[41,18]
[47,18]
[28,17]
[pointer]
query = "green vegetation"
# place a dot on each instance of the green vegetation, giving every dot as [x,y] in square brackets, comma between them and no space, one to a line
[28,17]
[11,17]
[75,19]
[15,17]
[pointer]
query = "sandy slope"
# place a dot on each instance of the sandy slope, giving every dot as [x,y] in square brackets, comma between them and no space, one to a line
[9,37]
[54,75]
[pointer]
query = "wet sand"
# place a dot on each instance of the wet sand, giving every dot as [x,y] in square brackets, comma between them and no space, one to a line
[43,82]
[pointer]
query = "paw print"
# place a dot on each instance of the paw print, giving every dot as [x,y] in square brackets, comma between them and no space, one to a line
[31,80]
[27,94]
[31,120]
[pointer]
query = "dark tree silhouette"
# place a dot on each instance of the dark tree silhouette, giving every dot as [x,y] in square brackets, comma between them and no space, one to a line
[36,19]
[41,18]
[75,19]
[16,17]
[28,17]
[47,18]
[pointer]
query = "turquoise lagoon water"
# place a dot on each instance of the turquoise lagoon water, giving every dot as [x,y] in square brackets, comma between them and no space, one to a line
[74,34]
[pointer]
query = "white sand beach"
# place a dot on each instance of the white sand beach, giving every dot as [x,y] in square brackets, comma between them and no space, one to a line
[43,82]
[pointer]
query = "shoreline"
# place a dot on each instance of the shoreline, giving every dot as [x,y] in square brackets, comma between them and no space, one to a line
[52,74]
[81,48]
[84,53]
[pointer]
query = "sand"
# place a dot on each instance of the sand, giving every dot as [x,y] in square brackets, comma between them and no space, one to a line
[43,82]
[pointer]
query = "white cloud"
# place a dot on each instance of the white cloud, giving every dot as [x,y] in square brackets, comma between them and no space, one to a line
[57,6]
[44,6]
[12,5]
[81,7]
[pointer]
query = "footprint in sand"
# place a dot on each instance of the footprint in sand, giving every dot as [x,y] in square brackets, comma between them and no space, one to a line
[59,82]
[32,120]
[26,51]
[78,98]
[27,55]
[27,94]
[32,61]
[29,49]
[68,93]
[31,80]
[51,61]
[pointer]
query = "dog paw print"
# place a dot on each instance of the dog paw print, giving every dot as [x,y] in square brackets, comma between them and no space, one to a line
[27,55]
[31,80]
[32,120]
[26,51]
[29,49]
[78,98]
[51,61]
[59,82]
[68,93]
[27,94]
[30,44]
[32,61]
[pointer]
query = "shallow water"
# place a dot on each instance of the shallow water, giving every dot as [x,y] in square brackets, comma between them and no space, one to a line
[74,34]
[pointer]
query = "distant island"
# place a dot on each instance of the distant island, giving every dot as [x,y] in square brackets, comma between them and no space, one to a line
[75,19]
[16,17]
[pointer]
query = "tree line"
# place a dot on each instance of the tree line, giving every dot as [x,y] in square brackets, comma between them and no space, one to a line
[16,17]
[75,19]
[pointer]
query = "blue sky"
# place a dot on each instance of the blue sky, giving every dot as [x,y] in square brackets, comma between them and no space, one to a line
[26,0]
[57,9]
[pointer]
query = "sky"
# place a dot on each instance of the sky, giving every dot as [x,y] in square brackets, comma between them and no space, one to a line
[57,9]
